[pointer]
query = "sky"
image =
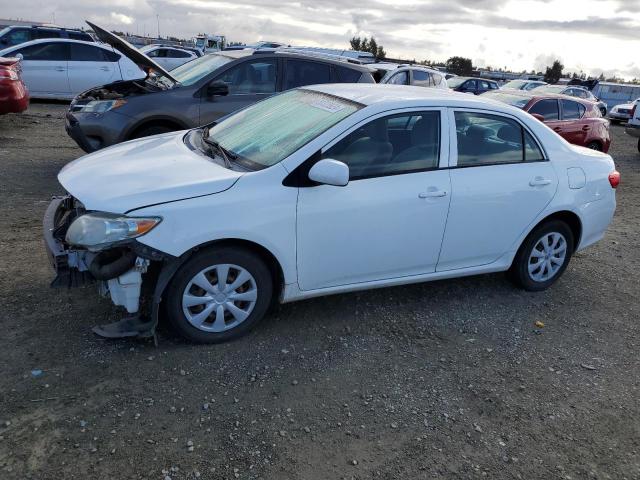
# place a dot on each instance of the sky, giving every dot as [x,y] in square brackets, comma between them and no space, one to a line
[594,36]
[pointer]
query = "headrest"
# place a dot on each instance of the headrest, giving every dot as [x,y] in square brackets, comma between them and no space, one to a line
[423,132]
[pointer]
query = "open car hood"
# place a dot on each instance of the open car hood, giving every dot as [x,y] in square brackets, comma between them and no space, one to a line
[124,47]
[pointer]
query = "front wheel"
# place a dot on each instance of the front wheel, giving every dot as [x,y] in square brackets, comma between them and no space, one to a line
[219,294]
[543,256]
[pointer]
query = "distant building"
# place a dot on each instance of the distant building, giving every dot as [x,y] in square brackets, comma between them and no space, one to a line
[616,93]
[7,22]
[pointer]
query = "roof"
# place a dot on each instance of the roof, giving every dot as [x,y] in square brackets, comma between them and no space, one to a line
[536,95]
[373,93]
[60,40]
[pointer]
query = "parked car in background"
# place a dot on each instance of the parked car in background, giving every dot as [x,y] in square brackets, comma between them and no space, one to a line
[475,86]
[574,91]
[633,124]
[620,113]
[403,74]
[14,95]
[577,121]
[523,84]
[322,190]
[168,57]
[16,35]
[196,93]
[62,68]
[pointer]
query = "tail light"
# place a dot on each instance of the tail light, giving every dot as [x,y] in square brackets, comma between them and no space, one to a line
[614,179]
[9,73]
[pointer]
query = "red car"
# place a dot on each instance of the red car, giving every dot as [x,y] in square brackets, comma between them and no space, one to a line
[14,96]
[577,121]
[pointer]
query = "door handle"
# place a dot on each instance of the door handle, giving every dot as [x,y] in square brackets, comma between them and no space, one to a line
[60,69]
[586,128]
[104,69]
[432,194]
[539,182]
[557,129]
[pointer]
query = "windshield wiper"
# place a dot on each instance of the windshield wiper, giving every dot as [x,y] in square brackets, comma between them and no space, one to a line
[224,153]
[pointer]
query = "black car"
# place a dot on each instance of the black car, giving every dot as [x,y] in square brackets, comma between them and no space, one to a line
[471,85]
[15,35]
[196,93]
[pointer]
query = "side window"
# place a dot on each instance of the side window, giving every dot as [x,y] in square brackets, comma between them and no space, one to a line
[493,86]
[80,36]
[86,53]
[572,110]
[153,53]
[400,78]
[173,53]
[301,72]
[251,77]
[376,149]
[421,79]
[485,139]
[547,108]
[348,75]
[470,85]
[46,34]
[55,51]
[16,37]
[484,85]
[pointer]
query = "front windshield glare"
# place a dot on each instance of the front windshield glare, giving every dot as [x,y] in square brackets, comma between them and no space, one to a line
[269,131]
[515,84]
[192,71]
[455,82]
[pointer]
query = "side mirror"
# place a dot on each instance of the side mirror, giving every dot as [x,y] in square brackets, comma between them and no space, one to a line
[538,117]
[330,172]
[217,88]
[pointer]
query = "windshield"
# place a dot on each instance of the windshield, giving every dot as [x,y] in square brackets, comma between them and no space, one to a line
[192,71]
[456,81]
[515,84]
[550,89]
[510,99]
[269,131]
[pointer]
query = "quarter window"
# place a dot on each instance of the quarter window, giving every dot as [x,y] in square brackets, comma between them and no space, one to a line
[300,73]
[251,77]
[348,75]
[391,145]
[421,79]
[86,53]
[572,110]
[491,139]
[547,108]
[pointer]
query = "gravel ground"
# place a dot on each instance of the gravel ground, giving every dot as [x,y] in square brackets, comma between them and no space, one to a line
[451,379]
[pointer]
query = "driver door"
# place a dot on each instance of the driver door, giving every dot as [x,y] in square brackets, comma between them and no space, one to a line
[388,222]
[248,83]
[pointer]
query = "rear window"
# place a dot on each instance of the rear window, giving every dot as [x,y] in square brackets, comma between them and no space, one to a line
[518,101]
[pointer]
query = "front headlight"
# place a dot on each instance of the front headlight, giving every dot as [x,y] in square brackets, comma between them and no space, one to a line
[94,230]
[99,106]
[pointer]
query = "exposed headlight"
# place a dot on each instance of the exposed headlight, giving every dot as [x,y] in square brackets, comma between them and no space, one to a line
[94,230]
[99,106]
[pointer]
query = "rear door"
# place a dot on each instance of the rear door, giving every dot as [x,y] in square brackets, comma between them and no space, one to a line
[90,66]
[500,182]
[249,82]
[549,108]
[44,69]
[575,128]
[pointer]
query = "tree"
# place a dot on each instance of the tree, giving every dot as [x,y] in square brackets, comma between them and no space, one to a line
[368,45]
[554,73]
[460,66]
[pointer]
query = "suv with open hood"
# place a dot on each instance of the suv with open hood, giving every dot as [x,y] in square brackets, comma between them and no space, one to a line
[196,93]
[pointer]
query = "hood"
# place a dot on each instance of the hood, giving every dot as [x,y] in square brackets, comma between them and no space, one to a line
[124,47]
[143,172]
[624,105]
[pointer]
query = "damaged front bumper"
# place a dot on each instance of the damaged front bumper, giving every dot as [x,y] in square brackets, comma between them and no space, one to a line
[79,267]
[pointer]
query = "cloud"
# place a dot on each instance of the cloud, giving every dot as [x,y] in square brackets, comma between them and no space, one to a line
[121,18]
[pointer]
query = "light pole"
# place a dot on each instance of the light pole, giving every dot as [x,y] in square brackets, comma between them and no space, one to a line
[158,20]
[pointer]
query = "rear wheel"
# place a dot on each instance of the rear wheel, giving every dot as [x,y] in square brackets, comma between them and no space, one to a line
[219,294]
[543,256]
[603,111]
[595,146]
[639,144]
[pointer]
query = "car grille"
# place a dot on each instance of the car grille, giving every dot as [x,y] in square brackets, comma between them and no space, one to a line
[624,110]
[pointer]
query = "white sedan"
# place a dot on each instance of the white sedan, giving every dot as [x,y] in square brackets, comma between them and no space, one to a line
[60,68]
[168,57]
[322,190]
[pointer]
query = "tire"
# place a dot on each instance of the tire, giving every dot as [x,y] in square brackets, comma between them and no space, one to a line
[227,318]
[603,111]
[151,130]
[595,146]
[639,144]
[536,281]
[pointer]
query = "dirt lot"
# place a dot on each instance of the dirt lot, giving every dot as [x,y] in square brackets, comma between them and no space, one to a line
[444,380]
